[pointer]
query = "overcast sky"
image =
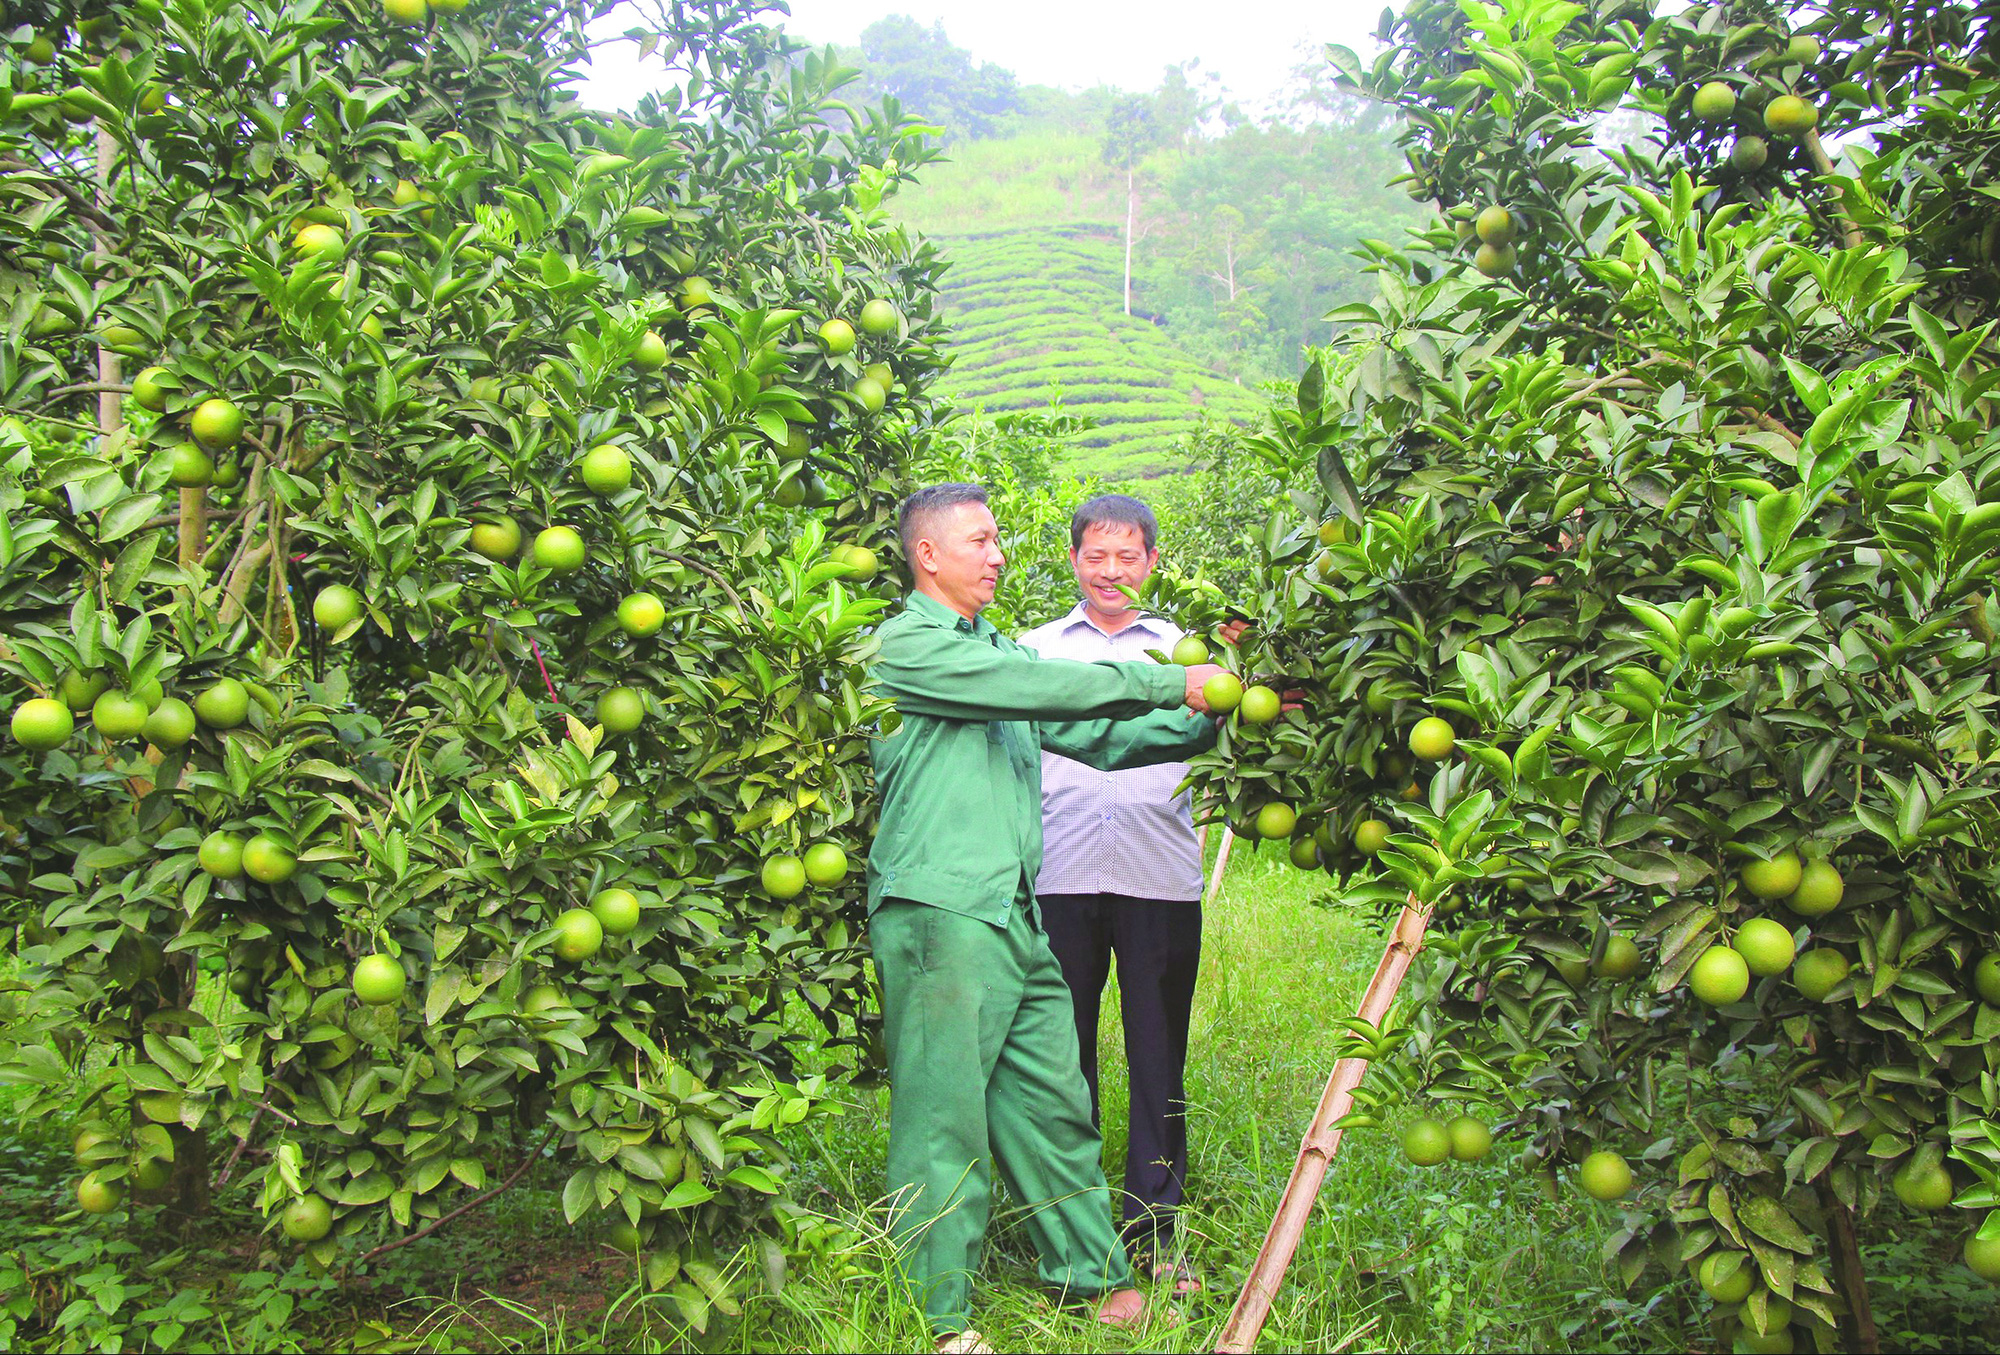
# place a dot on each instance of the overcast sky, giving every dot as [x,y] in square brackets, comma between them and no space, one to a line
[1252,44]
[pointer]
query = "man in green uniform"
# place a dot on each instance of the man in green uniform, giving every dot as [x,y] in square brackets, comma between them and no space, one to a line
[981,1034]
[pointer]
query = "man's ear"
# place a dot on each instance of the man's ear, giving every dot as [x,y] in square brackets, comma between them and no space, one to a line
[925,556]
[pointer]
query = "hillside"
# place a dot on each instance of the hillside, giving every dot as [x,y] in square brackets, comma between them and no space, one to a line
[1037,314]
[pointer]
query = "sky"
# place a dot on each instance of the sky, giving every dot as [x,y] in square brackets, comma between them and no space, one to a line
[1075,44]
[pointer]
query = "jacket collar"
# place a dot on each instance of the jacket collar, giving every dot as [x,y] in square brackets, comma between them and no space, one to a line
[928,607]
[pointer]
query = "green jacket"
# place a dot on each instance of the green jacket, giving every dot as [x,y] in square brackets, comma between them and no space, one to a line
[961,780]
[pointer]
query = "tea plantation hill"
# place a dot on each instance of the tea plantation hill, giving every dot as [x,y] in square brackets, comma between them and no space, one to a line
[1038,311]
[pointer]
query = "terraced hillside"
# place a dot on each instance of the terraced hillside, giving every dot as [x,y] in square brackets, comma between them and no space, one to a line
[1037,311]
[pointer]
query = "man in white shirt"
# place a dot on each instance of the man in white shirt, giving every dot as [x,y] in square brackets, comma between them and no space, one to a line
[1121,876]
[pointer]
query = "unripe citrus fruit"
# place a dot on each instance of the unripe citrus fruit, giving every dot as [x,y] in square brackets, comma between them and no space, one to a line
[221,855]
[1470,1138]
[227,474]
[559,550]
[1620,959]
[265,859]
[216,424]
[1605,1176]
[1305,853]
[169,724]
[882,374]
[1775,878]
[1719,977]
[41,724]
[1819,890]
[308,1218]
[336,606]
[871,394]
[1926,1189]
[1190,650]
[79,690]
[837,336]
[1276,820]
[147,392]
[95,1195]
[315,241]
[651,355]
[1333,531]
[641,614]
[1380,699]
[1495,261]
[189,467]
[616,910]
[117,715]
[1426,1142]
[1370,835]
[406,11]
[1982,1256]
[1818,972]
[579,935]
[1802,50]
[1260,705]
[695,293]
[1714,102]
[379,980]
[1789,115]
[1748,154]
[1727,1276]
[784,877]
[1986,979]
[877,317]
[1223,693]
[1766,946]
[1495,226]
[862,561]
[496,538]
[826,864]
[224,705]
[540,998]
[41,51]
[620,710]
[151,1173]
[1777,1334]
[1431,738]
[606,469]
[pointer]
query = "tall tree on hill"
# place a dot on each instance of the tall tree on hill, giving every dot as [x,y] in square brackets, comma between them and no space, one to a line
[936,78]
[1131,129]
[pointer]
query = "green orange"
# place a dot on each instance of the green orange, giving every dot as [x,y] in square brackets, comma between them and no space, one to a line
[1605,1176]
[1370,835]
[1431,738]
[1276,820]
[267,859]
[620,709]
[616,910]
[379,980]
[1426,1142]
[1719,977]
[1775,878]
[783,877]
[221,855]
[559,549]
[1223,693]
[579,935]
[826,864]
[1189,651]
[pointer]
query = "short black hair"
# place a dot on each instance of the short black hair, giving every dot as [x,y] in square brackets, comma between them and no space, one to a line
[1112,510]
[919,512]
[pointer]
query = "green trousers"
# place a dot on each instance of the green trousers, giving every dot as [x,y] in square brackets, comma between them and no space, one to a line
[983,1071]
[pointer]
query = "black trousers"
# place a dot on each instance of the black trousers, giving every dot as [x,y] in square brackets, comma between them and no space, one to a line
[1158,947]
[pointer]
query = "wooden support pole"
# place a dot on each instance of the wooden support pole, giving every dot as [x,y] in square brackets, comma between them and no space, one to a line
[1223,864]
[1321,1142]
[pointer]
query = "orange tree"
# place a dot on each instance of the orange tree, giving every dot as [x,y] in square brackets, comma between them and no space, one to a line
[441,533]
[1664,476]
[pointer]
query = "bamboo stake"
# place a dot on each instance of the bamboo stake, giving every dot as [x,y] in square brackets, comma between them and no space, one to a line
[1214,890]
[1321,1142]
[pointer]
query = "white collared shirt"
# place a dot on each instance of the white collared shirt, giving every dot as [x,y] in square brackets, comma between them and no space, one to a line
[1114,832]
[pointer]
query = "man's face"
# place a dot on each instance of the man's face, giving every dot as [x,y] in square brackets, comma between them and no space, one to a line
[1107,557]
[963,556]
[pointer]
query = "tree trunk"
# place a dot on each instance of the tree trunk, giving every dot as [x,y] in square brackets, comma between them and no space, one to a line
[1131,205]
[1858,1323]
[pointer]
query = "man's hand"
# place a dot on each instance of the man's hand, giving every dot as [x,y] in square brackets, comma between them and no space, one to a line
[1230,632]
[1196,676]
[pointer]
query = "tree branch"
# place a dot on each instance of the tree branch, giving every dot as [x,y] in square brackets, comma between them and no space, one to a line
[470,1204]
[720,581]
